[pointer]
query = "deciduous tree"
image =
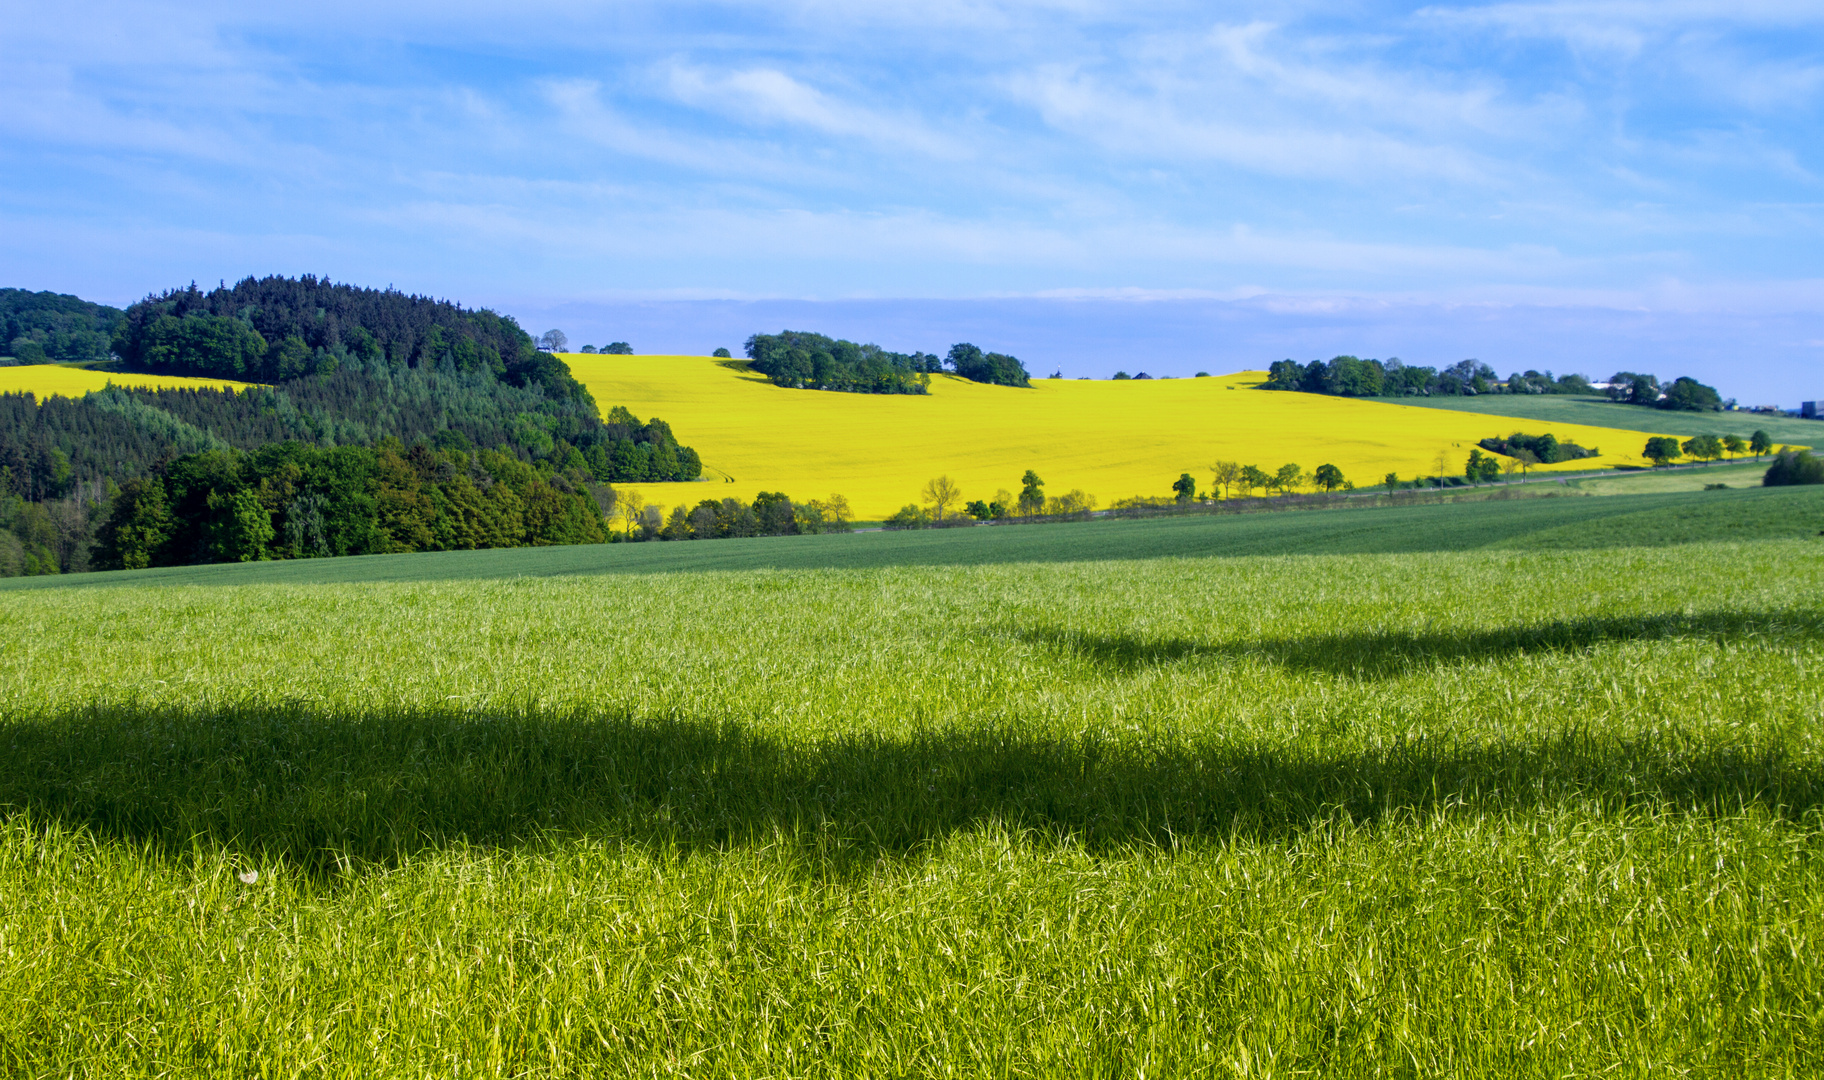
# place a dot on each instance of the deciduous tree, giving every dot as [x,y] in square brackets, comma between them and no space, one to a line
[1661,449]
[940,494]
[1032,494]
[1225,474]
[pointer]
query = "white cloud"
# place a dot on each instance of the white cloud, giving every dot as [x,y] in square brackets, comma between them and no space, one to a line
[1624,27]
[1157,127]
[769,96]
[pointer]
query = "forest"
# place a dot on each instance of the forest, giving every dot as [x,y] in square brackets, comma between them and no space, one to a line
[364,369]
[273,329]
[290,500]
[807,361]
[48,327]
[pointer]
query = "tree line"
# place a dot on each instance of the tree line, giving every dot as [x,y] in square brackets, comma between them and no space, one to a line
[294,501]
[772,513]
[1663,449]
[943,505]
[808,361]
[1350,376]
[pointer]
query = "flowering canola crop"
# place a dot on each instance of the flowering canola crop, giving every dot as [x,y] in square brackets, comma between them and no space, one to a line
[1111,439]
[55,380]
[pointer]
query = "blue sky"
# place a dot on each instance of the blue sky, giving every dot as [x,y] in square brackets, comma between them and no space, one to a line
[1579,185]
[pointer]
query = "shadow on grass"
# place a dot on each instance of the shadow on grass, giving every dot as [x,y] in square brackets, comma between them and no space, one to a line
[1388,654]
[320,790]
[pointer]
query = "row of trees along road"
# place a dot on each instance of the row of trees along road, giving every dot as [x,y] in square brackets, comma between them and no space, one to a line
[943,504]
[942,496]
[771,513]
[1231,476]
[1663,449]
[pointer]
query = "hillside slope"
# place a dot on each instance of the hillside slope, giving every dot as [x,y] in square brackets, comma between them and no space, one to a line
[1601,412]
[1111,439]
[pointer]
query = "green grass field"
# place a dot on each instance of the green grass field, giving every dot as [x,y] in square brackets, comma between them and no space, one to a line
[1601,412]
[1680,478]
[1364,527]
[1166,806]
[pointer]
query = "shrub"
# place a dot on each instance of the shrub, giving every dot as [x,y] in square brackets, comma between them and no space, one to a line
[909,517]
[1794,467]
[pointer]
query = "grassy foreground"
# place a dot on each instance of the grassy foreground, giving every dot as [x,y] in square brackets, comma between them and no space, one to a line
[1503,813]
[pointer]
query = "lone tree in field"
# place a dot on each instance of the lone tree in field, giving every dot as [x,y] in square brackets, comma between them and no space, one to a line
[1032,494]
[553,341]
[1225,473]
[1661,449]
[941,493]
[1760,442]
[1328,477]
[1392,480]
[1184,488]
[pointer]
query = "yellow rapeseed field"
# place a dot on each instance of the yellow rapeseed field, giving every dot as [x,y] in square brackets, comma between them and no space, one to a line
[1111,439]
[48,380]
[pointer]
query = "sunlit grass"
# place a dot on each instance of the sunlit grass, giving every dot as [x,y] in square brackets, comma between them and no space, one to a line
[1483,814]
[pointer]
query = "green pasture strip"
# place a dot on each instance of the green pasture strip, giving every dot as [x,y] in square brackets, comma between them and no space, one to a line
[1665,480]
[1601,412]
[1571,522]
[1478,814]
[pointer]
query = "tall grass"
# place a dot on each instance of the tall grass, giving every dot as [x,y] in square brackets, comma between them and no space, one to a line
[1496,813]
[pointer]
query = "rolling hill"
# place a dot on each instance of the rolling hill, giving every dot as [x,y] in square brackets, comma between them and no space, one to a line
[1111,439]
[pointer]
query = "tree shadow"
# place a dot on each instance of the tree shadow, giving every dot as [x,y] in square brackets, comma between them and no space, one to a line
[744,369]
[1386,654]
[327,791]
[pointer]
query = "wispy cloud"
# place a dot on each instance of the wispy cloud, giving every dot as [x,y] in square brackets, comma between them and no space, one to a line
[771,97]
